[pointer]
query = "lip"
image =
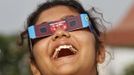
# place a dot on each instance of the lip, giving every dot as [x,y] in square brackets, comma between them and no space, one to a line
[62,42]
[67,60]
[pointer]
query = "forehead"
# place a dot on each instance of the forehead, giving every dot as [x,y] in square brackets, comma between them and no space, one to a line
[56,13]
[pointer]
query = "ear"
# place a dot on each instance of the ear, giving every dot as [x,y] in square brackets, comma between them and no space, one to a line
[34,69]
[101,53]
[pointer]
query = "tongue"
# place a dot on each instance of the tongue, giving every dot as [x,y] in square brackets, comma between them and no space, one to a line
[65,52]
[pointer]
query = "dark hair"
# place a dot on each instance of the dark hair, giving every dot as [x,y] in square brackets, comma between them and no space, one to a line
[31,20]
[70,3]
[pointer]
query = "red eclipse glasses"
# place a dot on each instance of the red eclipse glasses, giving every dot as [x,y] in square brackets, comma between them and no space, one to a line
[68,24]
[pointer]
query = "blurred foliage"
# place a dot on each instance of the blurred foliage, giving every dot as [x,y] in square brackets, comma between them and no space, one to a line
[129,70]
[13,59]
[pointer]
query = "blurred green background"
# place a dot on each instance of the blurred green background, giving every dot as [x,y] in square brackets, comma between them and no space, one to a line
[13,59]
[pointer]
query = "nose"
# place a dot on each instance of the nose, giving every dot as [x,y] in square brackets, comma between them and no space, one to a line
[59,34]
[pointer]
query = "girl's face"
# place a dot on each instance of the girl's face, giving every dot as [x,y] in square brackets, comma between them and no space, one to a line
[64,53]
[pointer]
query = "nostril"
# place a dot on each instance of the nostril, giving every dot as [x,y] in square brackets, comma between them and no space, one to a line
[67,35]
[56,37]
[59,34]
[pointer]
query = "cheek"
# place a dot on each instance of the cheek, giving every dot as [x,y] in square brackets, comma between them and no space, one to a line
[40,49]
[84,38]
[86,42]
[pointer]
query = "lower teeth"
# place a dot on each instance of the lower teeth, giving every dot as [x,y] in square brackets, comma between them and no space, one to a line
[56,53]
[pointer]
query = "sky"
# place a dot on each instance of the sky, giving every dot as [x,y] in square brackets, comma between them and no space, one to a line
[13,13]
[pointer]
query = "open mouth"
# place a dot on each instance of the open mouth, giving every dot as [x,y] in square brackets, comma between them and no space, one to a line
[64,51]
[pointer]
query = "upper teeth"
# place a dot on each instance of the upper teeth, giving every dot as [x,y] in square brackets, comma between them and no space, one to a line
[57,50]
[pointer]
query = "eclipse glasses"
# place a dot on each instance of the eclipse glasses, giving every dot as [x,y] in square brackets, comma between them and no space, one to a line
[69,23]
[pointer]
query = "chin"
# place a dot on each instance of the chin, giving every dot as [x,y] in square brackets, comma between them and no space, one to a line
[67,70]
